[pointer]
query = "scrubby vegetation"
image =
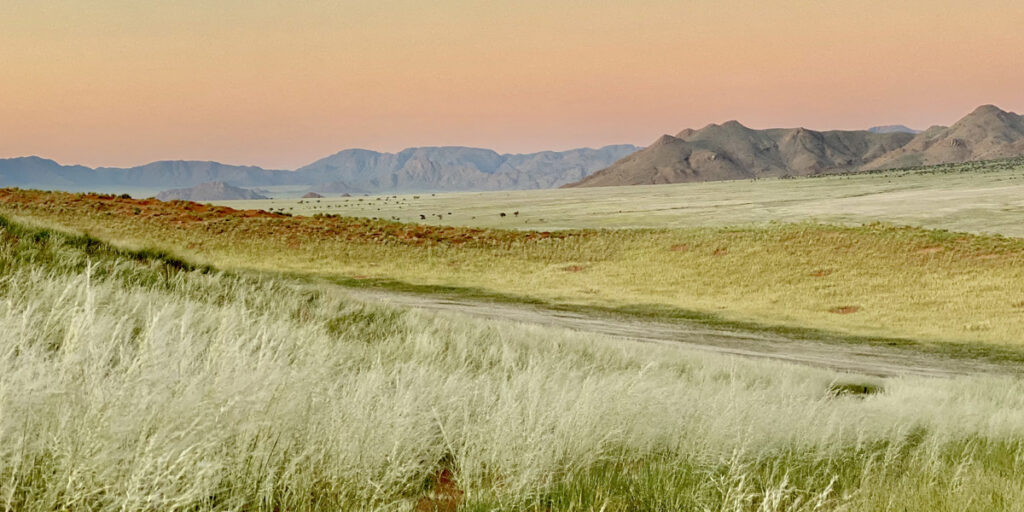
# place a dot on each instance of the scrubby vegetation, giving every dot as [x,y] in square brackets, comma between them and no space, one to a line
[130,380]
[868,281]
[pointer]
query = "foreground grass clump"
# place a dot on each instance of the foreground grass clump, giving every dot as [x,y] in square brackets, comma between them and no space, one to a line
[871,281]
[130,381]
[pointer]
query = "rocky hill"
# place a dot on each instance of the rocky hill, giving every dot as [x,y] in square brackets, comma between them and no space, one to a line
[988,133]
[213,191]
[733,151]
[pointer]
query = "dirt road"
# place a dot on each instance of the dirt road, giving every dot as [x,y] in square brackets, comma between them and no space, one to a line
[863,359]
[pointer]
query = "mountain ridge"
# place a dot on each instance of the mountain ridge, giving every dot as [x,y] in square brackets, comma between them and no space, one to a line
[432,168]
[730,150]
[460,168]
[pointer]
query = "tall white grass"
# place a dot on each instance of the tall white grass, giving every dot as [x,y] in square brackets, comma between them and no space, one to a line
[121,392]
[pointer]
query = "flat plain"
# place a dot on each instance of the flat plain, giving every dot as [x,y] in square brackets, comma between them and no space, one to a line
[983,197]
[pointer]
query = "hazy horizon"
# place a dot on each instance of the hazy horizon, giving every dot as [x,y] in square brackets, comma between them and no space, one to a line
[276,85]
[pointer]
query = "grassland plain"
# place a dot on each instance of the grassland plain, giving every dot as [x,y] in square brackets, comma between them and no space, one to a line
[874,281]
[977,197]
[132,380]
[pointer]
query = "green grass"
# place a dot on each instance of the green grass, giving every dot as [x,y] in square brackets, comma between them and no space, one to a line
[1010,358]
[131,381]
[866,282]
[981,197]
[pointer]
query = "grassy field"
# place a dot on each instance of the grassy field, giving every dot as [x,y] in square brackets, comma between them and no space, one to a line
[978,197]
[136,381]
[875,281]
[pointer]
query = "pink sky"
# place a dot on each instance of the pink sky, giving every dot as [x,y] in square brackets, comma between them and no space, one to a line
[280,84]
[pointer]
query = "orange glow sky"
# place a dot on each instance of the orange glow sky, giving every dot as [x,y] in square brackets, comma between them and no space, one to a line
[281,83]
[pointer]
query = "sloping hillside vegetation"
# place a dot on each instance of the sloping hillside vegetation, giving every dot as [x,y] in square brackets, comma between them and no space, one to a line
[870,282]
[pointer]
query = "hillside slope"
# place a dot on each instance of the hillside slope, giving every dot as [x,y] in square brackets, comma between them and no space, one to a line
[988,133]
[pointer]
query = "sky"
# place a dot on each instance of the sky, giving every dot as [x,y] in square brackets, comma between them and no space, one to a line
[279,83]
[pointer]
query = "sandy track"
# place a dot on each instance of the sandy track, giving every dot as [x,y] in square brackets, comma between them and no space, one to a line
[845,357]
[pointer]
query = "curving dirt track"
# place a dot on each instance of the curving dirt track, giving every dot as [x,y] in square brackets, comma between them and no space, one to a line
[861,359]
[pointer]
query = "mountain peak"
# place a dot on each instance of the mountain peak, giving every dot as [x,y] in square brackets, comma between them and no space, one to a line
[665,139]
[32,159]
[727,129]
[992,120]
[729,125]
[987,110]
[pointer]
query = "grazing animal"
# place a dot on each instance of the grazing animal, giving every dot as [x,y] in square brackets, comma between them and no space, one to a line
[423,217]
[502,214]
[515,213]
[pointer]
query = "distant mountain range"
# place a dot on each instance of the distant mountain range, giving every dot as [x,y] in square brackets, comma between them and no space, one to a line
[716,152]
[732,151]
[893,128]
[452,168]
[350,171]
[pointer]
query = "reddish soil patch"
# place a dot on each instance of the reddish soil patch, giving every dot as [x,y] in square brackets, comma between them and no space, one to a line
[679,248]
[822,273]
[844,310]
[574,268]
[264,224]
[169,211]
[444,495]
